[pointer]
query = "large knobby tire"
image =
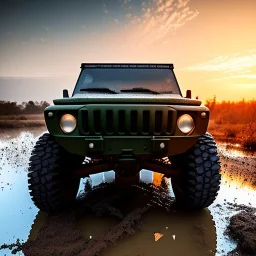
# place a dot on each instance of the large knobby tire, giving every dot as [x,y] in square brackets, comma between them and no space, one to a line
[198,184]
[51,183]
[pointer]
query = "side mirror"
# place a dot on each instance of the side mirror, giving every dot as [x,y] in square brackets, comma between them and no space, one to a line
[188,94]
[65,93]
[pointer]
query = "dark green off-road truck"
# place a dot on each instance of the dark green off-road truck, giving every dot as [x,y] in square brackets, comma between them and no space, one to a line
[125,117]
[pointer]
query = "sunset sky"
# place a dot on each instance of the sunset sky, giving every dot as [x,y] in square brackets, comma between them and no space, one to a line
[212,44]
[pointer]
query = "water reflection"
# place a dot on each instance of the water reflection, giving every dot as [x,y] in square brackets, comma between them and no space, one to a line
[234,151]
[17,209]
[145,176]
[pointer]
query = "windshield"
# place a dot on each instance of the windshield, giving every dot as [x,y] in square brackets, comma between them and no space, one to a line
[127,80]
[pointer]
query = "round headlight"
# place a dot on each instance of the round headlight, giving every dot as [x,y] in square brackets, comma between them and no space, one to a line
[67,123]
[185,123]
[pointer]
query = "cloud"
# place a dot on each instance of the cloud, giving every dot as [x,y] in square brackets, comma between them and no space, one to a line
[128,15]
[47,29]
[116,21]
[236,66]
[239,76]
[156,20]
[141,33]
[226,64]
[247,85]
[105,10]
[159,20]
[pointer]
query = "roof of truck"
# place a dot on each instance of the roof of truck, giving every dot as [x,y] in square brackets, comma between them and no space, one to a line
[127,65]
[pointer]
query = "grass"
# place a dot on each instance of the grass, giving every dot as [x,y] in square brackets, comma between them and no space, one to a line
[225,131]
[21,121]
[22,117]
[249,141]
[243,134]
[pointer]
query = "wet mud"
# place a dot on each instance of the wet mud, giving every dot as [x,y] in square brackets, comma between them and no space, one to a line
[238,165]
[58,236]
[242,228]
[110,221]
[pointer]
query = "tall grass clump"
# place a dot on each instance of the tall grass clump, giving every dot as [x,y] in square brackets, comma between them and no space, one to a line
[249,138]
[227,112]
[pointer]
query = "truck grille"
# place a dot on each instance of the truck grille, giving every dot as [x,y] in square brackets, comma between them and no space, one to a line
[127,120]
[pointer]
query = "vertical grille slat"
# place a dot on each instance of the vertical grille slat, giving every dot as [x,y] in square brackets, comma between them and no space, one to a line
[97,121]
[164,122]
[158,121]
[169,122]
[146,121]
[121,121]
[128,121]
[134,121]
[109,121]
[85,123]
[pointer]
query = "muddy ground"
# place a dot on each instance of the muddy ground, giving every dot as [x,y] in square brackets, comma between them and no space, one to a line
[128,222]
[141,220]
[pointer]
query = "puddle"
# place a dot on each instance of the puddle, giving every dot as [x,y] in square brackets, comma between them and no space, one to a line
[18,213]
[162,232]
[230,192]
[234,151]
[178,234]
[17,210]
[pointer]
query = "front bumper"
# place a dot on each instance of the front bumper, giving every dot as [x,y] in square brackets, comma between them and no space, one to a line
[138,145]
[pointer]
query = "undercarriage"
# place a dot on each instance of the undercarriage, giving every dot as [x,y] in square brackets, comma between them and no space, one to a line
[126,166]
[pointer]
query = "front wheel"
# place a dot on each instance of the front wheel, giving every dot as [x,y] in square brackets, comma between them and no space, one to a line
[198,184]
[51,182]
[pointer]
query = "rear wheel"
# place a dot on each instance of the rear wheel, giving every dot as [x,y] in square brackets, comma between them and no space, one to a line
[51,183]
[198,184]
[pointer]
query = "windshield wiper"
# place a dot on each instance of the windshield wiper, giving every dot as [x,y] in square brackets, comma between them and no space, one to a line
[99,89]
[166,92]
[139,89]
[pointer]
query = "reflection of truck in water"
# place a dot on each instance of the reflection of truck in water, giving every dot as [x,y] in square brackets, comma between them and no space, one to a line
[125,117]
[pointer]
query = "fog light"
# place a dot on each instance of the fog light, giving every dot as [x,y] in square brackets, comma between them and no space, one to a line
[50,114]
[91,145]
[203,115]
[162,145]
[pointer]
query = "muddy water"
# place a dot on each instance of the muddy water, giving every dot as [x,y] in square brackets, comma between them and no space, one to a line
[176,232]
[238,166]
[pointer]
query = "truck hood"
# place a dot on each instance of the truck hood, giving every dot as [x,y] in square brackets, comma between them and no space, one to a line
[132,98]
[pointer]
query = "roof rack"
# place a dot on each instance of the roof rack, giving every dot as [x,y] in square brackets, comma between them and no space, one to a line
[127,65]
